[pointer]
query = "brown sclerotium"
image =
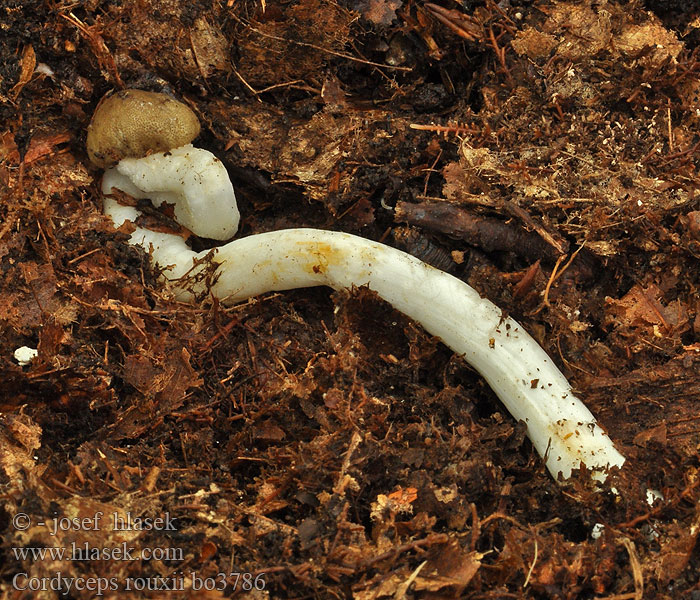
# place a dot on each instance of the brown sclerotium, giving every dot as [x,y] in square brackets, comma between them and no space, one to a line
[135,123]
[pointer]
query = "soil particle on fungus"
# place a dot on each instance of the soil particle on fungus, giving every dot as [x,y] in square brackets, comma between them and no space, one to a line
[545,151]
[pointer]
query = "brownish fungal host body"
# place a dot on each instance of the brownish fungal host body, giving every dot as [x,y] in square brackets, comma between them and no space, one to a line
[134,123]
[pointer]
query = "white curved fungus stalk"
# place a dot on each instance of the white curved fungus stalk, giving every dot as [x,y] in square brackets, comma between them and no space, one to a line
[192,179]
[523,376]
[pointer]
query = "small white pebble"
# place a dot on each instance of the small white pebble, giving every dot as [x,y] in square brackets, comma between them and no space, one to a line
[653,496]
[25,355]
[44,69]
[650,532]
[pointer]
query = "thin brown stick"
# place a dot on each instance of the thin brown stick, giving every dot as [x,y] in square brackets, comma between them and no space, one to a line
[500,55]
[322,49]
[451,18]
[456,129]
[430,170]
[552,279]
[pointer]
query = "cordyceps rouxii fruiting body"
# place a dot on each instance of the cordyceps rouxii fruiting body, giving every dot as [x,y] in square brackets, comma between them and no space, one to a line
[561,428]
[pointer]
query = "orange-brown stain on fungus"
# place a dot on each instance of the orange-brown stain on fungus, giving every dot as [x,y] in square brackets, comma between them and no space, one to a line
[318,256]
